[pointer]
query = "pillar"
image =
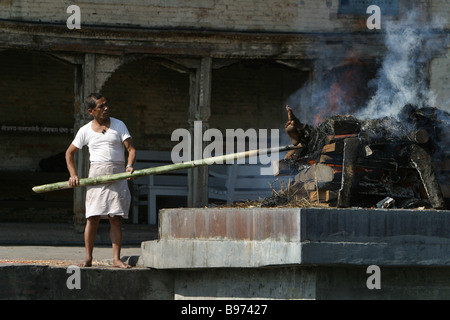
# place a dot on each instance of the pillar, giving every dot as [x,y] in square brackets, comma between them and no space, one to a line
[199,110]
[84,84]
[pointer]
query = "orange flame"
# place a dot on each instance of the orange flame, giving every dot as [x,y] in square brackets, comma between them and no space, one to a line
[347,89]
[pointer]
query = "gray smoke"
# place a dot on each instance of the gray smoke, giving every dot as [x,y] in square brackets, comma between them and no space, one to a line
[402,78]
[313,99]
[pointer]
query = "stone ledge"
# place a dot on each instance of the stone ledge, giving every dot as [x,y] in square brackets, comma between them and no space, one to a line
[319,237]
[175,254]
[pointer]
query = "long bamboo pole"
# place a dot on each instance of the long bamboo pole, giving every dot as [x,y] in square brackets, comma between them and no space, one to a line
[158,170]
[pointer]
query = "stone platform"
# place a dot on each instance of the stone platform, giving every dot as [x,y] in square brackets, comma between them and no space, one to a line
[297,253]
[260,237]
[256,253]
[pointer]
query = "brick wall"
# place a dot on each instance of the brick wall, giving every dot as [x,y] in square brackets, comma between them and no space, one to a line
[151,99]
[37,92]
[252,95]
[262,15]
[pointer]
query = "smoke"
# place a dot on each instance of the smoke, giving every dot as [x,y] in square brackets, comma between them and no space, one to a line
[342,84]
[337,85]
[403,76]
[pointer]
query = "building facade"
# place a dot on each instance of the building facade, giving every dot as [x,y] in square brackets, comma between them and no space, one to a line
[164,64]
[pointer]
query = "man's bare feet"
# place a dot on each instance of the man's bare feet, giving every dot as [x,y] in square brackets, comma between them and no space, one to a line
[86,263]
[120,264]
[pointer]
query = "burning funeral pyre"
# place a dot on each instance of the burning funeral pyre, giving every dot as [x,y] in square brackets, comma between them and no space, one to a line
[387,162]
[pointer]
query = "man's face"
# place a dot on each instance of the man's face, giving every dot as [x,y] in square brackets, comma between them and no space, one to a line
[101,110]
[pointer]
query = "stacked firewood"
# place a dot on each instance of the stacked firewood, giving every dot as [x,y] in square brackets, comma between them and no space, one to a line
[347,162]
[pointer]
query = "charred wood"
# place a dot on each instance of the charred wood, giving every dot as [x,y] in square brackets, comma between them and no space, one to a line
[420,136]
[382,189]
[344,125]
[333,147]
[322,195]
[315,176]
[422,161]
[351,151]
[339,137]
[389,157]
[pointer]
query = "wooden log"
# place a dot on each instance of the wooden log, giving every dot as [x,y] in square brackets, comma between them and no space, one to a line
[339,137]
[383,189]
[325,158]
[422,161]
[158,170]
[351,150]
[332,147]
[372,162]
[420,136]
[345,125]
[315,176]
[322,195]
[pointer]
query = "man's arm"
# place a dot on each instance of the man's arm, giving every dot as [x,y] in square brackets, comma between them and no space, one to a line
[128,143]
[70,152]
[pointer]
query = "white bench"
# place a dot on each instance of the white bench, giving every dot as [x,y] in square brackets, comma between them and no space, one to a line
[149,187]
[228,182]
[241,182]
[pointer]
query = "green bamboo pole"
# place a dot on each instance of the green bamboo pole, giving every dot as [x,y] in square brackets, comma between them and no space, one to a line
[158,170]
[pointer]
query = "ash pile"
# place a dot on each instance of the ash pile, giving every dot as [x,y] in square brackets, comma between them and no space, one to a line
[401,162]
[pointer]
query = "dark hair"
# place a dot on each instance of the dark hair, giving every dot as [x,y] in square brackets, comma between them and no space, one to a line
[91,100]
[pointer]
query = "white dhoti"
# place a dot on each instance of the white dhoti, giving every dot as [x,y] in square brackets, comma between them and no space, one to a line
[109,199]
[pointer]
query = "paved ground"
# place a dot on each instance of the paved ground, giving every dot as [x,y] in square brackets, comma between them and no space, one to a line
[60,244]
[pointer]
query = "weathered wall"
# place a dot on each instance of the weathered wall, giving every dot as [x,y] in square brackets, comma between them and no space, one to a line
[37,92]
[256,92]
[151,99]
[38,282]
[266,15]
[154,100]
[312,282]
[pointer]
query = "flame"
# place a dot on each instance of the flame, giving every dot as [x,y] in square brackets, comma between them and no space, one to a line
[337,168]
[347,89]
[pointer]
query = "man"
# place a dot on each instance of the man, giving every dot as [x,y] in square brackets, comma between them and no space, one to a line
[107,138]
